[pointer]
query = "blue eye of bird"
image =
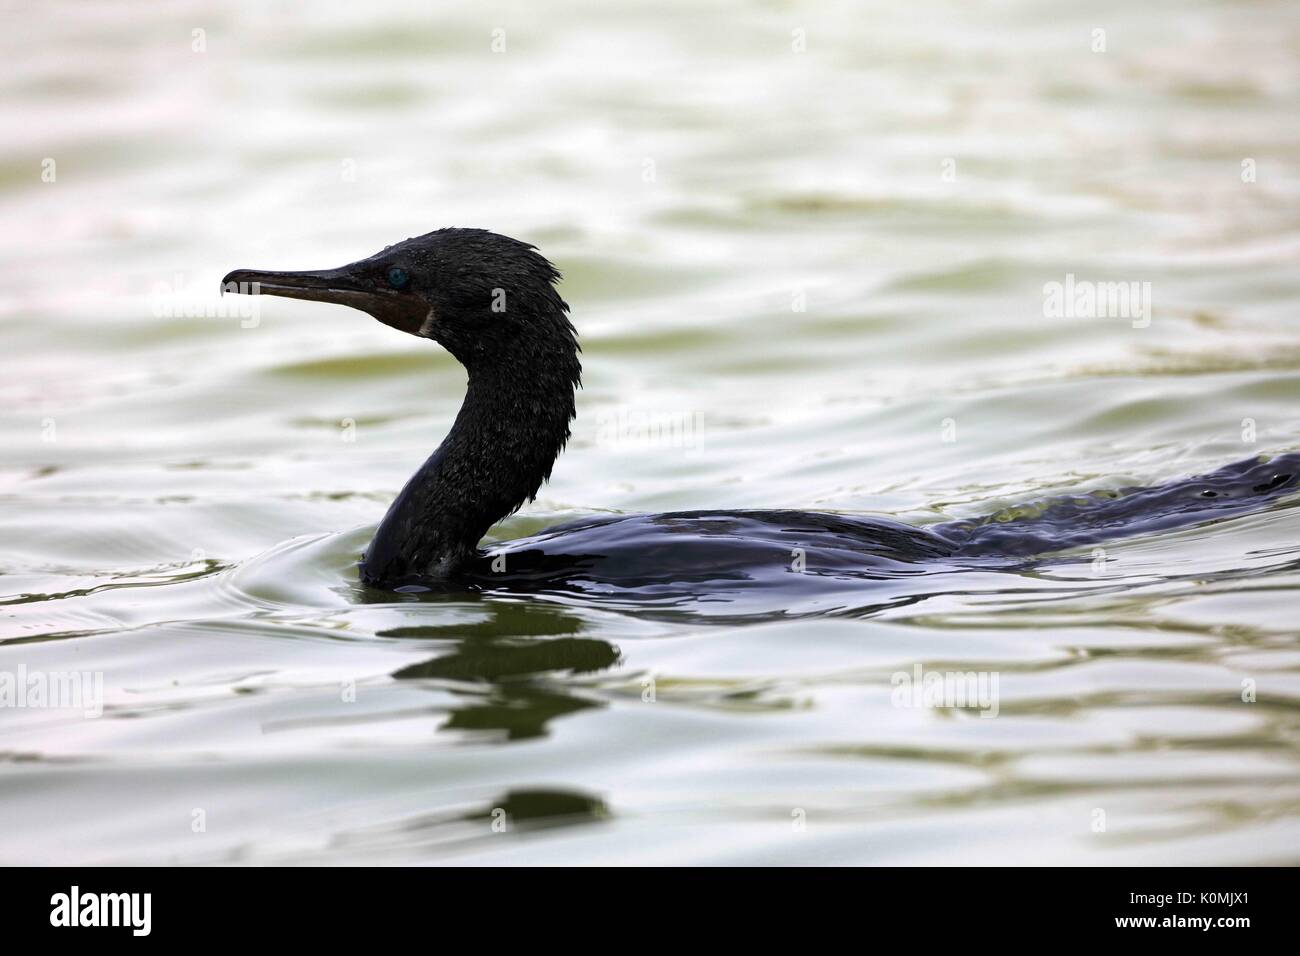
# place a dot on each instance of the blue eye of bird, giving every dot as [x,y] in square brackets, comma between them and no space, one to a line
[398,278]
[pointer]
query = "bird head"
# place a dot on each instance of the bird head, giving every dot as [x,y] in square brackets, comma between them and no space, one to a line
[486,298]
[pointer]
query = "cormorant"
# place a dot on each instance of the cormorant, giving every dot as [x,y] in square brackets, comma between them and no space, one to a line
[491,302]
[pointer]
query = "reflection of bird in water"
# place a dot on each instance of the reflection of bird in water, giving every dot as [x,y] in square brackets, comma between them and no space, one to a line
[492,303]
[511,677]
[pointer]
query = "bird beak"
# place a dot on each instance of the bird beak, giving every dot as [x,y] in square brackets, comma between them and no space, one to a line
[321,285]
[406,313]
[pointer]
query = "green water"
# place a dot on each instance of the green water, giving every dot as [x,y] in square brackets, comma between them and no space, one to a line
[803,278]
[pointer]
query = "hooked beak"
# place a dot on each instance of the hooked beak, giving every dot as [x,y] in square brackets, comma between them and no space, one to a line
[401,311]
[321,285]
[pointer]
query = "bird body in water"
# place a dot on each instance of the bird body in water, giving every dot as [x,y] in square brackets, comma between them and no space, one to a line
[492,302]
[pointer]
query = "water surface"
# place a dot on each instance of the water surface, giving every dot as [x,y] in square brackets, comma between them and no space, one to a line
[806,249]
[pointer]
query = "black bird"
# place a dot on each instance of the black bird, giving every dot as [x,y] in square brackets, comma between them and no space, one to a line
[491,302]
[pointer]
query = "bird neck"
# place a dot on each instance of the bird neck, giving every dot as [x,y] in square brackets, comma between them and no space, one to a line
[513,424]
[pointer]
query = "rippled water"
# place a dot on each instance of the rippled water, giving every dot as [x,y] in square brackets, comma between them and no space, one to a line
[806,249]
